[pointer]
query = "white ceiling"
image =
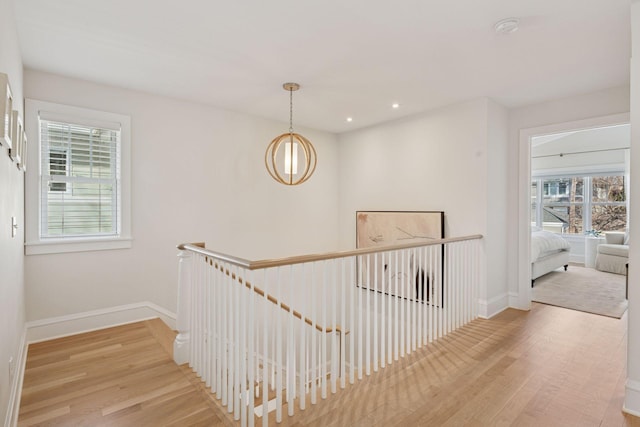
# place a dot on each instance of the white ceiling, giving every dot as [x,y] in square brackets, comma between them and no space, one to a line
[596,139]
[351,57]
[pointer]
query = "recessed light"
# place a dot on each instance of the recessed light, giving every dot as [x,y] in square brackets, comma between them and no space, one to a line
[349,119]
[395,105]
[506,26]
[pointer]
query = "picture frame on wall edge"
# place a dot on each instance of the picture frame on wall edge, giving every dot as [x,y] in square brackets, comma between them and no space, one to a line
[6,108]
[17,130]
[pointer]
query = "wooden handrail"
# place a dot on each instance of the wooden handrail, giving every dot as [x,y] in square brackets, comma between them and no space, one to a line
[273,299]
[255,265]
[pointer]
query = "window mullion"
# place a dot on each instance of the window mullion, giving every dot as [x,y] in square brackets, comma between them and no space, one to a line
[587,203]
[539,203]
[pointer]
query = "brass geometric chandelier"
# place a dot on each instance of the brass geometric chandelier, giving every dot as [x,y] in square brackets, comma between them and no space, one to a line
[290,157]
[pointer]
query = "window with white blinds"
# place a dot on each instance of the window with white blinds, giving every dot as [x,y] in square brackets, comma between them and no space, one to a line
[79,198]
[80,180]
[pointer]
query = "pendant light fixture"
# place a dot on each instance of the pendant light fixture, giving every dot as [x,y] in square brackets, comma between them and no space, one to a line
[290,157]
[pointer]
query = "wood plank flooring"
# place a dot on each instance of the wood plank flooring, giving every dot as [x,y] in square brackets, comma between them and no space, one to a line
[122,376]
[546,367]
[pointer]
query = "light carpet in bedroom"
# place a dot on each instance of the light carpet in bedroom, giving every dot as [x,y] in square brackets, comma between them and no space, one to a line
[583,289]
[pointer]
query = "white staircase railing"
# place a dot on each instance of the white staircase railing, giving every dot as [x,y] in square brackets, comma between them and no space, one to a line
[270,335]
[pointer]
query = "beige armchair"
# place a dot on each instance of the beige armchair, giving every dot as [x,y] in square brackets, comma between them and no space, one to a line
[613,255]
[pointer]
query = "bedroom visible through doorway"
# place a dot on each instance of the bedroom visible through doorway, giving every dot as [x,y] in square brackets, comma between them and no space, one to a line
[578,212]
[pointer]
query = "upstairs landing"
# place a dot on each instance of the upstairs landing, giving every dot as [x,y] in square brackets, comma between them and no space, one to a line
[547,367]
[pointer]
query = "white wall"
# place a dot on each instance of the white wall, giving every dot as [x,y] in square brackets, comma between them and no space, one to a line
[496,208]
[447,160]
[597,104]
[12,311]
[198,174]
[632,395]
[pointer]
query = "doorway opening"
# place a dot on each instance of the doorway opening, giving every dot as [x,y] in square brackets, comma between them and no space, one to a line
[572,184]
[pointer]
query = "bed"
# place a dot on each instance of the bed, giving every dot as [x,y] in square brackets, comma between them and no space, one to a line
[549,252]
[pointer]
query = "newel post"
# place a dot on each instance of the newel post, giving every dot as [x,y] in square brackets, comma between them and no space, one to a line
[181,344]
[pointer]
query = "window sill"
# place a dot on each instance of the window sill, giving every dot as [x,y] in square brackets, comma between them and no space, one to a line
[43,247]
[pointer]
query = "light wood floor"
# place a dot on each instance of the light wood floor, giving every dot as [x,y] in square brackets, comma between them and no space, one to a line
[547,367]
[122,376]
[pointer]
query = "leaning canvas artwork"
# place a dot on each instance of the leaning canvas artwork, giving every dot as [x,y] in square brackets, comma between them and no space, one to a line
[410,273]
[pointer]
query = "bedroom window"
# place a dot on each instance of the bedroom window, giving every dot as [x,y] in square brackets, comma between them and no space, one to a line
[575,204]
[608,203]
[562,204]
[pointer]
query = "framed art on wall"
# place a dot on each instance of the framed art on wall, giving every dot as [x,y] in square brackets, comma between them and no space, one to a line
[6,108]
[17,130]
[410,273]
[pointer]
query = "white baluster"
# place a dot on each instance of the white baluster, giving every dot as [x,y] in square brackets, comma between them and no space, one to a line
[361,268]
[450,310]
[291,345]
[334,321]
[352,322]
[198,316]
[242,348]
[454,285]
[440,280]
[459,272]
[389,298]
[375,313]
[383,314]
[251,355]
[302,342]
[422,296]
[314,334]
[229,338]
[208,310]
[235,336]
[217,299]
[411,306]
[476,270]
[396,299]
[417,301]
[343,323]
[265,353]
[278,349]
[467,282]
[432,288]
[402,303]
[323,346]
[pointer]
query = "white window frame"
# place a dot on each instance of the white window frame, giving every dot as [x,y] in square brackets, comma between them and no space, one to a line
[587,197]
[34,245]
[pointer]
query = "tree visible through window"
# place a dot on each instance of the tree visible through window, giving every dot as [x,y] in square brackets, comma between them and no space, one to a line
[608,203]
[579,204]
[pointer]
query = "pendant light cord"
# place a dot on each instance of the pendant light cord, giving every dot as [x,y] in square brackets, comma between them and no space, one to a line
[290,110]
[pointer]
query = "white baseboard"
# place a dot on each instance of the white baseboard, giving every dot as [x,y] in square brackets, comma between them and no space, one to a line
[57,327]
[632,398]
[13,408]
[514,299]
[489,308]
[578,259]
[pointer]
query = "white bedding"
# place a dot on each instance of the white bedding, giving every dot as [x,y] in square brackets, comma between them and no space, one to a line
[544,243]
